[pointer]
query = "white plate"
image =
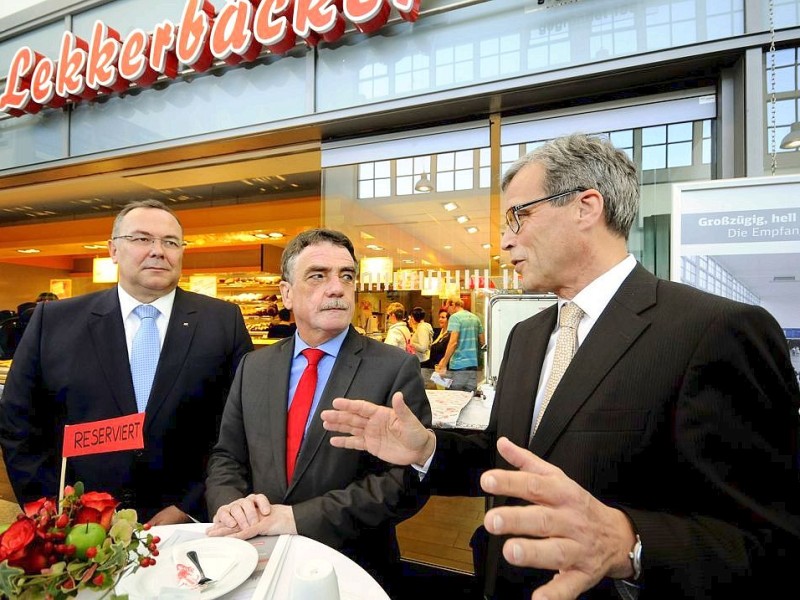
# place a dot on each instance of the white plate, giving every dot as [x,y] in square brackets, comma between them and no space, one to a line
[147,583]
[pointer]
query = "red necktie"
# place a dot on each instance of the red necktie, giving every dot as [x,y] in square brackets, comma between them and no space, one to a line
[300,407]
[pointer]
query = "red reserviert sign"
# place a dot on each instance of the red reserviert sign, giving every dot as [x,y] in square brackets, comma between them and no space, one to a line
[107,63]
[109,435]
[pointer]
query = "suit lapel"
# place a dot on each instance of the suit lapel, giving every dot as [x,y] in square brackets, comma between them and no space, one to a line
[344,370]
[108,339]
[180,331]
[277,399]
[615,331]
[524,374]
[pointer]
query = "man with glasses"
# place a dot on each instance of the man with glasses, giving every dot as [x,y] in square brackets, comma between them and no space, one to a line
[643,439]
[145,345]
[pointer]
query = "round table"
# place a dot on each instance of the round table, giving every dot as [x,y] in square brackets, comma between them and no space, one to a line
[278,557]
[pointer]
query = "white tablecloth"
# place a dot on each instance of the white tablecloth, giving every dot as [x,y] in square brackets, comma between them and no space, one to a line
[454,409]
[354,582]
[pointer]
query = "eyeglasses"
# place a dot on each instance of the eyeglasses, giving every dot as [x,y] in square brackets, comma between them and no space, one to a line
[512,214]
[146,241]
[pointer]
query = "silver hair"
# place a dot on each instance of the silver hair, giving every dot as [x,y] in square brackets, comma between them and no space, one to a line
[583,161]
[313,237]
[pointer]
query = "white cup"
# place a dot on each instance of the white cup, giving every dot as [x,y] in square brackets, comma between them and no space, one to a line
[315,580]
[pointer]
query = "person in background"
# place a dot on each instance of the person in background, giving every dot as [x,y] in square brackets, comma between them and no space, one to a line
[397,333]
[46,297]
[460,360]
[422,333]
[82,359]
[664,464]
[438,349]
[283,327]
[273,470]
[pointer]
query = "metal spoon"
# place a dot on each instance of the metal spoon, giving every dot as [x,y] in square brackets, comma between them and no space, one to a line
[193,557]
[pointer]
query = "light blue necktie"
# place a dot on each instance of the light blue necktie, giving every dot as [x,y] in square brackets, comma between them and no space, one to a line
[144,353]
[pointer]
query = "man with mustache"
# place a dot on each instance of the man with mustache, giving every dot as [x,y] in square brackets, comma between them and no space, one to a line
[267,478]
[76,364]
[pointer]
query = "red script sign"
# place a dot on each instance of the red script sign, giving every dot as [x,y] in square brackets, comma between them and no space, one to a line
[242,29]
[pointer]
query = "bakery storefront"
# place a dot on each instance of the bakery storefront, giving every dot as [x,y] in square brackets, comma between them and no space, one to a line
[390,120]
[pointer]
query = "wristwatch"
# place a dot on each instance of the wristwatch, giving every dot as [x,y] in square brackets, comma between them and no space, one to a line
[636,558]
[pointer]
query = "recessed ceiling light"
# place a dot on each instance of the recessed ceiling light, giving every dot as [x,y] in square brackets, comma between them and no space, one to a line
[29,251]
[416,249]
[374,247]
[462,219]
[496,257]
[261,235]
[487,246]
[94,246]
[408,261]
[275,235]
[448,247]
[450,206]
[472,230]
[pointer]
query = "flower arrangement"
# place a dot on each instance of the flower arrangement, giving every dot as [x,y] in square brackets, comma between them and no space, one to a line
[88,544]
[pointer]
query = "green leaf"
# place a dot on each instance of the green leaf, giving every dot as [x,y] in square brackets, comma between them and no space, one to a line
[8,580]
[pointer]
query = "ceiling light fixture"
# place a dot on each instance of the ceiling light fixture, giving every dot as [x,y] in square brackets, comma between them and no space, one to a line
[450,206]
[486,246]
[792,139]
[29,251]
[423,183]
[472,230]
[275,235]
[261,236]
[374,247]
[462,219]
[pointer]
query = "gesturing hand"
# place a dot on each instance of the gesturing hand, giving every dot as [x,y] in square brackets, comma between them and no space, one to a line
[392,434]
[279,520]
[565,528]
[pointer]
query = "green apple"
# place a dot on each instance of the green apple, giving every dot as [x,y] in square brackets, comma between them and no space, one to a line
[85,536]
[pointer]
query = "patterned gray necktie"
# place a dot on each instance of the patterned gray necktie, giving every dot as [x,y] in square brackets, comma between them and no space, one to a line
[567,344]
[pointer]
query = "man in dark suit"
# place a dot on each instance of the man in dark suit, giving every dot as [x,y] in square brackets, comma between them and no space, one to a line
[349,501]
[663,464]
[72,366]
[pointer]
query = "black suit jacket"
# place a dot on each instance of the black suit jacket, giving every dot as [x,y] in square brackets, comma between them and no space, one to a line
[72,367]
[345,499]
[679,408]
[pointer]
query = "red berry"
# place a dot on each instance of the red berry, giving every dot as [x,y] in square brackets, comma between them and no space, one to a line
[143,562]
[70,549]
[152,561]
[98,579]
[156,539]
[48,547]
[146,526]
[91,552]
[69,490]
[68,584]
[154,552]
[62,521]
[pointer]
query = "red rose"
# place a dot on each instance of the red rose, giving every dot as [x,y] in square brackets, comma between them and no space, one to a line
[33,508]
[96,507]
[24,547]
[98,501]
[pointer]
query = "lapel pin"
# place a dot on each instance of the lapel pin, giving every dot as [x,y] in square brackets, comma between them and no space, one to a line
[185,324]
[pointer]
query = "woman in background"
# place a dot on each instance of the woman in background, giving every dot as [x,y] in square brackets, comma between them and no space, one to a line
[422,336]
[437,350]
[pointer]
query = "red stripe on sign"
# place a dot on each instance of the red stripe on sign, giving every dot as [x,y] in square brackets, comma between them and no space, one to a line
[110,435]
